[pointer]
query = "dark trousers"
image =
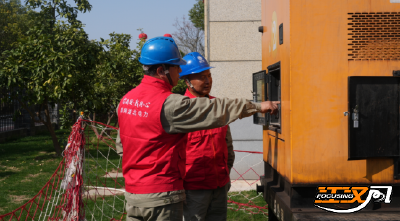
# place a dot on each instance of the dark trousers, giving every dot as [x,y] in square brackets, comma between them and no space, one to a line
[170,212]
[206,205]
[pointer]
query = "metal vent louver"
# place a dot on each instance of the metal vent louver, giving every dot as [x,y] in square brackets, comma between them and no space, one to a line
[374,36]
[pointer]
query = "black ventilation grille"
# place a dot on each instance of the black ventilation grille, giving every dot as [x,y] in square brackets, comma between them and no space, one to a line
[374,36]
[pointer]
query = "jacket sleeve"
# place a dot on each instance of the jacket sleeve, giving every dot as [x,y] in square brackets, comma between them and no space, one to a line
[180,114]
[231,153]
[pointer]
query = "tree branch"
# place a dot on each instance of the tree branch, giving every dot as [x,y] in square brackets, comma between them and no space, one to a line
[29,111]
[188,37]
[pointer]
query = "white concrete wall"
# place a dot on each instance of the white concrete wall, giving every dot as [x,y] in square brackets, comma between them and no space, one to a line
[233,47]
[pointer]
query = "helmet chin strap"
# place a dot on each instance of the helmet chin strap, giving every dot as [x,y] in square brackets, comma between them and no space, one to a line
[191,86]
[166,71]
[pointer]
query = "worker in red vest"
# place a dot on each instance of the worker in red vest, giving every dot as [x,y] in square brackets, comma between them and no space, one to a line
[154,124]
[209,153]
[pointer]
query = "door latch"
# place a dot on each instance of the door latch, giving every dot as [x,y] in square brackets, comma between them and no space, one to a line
[355,117]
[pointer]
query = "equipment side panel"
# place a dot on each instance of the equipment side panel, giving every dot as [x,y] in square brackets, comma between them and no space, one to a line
[320,67]
[275,13]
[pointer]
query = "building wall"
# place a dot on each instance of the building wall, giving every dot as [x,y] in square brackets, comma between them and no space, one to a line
[233,47]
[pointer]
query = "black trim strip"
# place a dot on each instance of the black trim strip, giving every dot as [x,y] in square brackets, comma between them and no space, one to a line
[277,137]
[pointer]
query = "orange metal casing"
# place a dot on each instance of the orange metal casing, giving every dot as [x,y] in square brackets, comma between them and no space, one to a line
[313,145]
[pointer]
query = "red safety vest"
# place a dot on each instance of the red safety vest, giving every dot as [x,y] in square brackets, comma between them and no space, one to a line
[153,161]
[206,158]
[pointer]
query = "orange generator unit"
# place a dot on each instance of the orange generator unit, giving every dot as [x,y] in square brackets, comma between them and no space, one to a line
[333,150]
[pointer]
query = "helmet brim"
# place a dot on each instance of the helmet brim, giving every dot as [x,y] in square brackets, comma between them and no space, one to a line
[196,71]
[148,61]
[181,62]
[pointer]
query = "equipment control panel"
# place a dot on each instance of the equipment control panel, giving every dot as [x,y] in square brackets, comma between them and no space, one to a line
[267,86]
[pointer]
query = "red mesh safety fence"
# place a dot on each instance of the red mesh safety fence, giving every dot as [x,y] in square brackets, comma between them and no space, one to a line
[60,198]
[88,183]
[242,195]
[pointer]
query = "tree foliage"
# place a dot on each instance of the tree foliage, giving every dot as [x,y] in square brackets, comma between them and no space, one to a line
[118,72]
[53,9]
[196,15]
[53,63]
[15,20]
[48,60]
[180,88]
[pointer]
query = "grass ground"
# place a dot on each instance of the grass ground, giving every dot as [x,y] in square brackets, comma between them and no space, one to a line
[243,197]
[26,164]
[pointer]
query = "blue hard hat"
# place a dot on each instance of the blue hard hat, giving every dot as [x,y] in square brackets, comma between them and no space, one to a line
[161,50]
[196,63]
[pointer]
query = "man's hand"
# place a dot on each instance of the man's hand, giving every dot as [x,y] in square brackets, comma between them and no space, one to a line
[270,106]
